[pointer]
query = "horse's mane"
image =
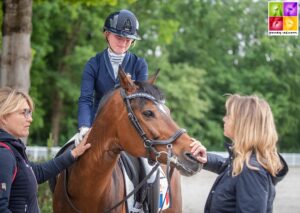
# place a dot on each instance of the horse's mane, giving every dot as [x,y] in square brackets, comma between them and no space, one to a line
[143,87]
[153,90]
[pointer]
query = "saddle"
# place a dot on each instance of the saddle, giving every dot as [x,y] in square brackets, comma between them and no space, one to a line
[146,199]
[68,146]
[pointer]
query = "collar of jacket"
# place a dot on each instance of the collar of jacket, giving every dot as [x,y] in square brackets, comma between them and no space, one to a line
[16,143]
[228,147]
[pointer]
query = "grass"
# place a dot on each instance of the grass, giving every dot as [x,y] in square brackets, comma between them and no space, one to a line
[45,198]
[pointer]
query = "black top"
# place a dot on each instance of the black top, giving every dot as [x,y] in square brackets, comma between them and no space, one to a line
[250,191]
[20,194]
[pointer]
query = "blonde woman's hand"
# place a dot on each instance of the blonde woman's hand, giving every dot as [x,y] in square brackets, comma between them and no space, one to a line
[81,147]
[198,150]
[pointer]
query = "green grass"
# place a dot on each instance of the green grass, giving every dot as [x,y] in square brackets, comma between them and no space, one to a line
[45,198]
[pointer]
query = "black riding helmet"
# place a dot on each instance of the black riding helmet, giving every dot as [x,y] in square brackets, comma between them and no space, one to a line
[123,23]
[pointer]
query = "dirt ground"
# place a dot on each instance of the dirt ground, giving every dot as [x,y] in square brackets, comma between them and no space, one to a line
[196,188]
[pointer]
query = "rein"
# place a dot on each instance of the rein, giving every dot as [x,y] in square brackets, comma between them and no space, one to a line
[149,145]
[135,189]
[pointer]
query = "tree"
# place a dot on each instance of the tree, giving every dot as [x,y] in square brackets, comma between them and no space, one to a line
[203,49]
[66,34]
[16,51]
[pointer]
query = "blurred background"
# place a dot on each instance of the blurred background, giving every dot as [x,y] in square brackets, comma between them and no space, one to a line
[204,49]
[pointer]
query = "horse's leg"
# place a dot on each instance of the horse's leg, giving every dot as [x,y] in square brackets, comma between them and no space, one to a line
[176,202]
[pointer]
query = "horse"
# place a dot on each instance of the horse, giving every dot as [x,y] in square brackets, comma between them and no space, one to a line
[131,118]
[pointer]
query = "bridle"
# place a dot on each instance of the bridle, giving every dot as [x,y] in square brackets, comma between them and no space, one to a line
[149,143]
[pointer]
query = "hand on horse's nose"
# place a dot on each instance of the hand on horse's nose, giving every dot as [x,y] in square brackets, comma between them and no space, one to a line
[199,151]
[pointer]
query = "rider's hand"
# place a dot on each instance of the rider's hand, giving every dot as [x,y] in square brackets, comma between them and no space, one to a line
[82,132]
[81,147]
[199,151]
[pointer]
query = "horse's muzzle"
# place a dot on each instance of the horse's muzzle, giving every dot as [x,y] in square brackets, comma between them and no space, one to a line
[187,167]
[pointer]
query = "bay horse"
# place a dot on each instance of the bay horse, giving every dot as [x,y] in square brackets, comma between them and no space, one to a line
[132,118]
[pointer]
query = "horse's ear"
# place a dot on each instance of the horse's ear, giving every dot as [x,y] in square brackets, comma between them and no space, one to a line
[125,81]
[153,78]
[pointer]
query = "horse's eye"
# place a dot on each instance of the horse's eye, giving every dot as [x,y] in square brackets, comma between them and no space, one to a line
[148,113]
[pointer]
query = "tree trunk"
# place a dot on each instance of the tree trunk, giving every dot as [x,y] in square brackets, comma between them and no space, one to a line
[16,50]
[57,107]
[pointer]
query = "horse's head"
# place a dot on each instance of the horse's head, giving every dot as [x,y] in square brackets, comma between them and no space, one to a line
[152,133]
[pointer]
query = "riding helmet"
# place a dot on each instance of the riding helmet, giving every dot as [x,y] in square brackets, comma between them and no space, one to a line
[123,23]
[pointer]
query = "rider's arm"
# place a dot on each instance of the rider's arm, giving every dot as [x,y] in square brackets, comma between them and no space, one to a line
[85,102]
[142,70]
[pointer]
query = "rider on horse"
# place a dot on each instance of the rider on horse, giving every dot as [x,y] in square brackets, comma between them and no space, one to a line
[100,73]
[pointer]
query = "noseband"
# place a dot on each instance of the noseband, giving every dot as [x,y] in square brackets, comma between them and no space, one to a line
[148,143]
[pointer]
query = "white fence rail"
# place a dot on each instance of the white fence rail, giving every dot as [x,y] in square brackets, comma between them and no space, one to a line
[36,153]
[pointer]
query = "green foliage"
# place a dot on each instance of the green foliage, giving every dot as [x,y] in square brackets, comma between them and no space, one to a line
[181,84]
[45,198]
[93,2]
[204,49]
[1,23]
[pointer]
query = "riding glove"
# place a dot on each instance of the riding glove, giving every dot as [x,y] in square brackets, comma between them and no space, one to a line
[79,136]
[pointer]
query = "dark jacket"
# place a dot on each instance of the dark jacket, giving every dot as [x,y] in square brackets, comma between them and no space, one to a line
[20,194]
[98,78]
[250,191]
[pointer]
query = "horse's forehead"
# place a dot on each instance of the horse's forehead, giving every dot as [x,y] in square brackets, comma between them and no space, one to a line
[162,107]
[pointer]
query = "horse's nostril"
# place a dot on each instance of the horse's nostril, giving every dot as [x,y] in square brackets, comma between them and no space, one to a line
[191,157]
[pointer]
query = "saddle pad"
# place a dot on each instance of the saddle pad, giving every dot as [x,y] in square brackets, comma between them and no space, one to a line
[164,198]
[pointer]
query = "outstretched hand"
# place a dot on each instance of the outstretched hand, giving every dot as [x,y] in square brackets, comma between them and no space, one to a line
[199,151]
[81,147]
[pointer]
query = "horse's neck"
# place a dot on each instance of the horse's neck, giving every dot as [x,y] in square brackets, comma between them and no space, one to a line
[103,154]
[99,161]
[98,177]
[99,173]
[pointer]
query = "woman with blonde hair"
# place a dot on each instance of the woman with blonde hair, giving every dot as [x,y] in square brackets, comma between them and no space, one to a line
[18,176]
[247,178]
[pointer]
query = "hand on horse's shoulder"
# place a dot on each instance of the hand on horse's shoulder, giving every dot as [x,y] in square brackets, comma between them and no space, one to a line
[81,147]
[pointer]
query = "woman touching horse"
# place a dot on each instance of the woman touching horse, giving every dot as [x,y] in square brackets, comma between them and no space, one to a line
[19,178]
[132,118]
